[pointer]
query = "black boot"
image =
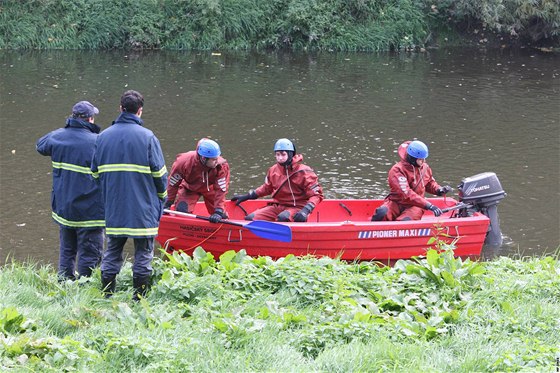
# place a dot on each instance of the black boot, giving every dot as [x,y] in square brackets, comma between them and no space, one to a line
[380,213]
[141,286]
[108,284]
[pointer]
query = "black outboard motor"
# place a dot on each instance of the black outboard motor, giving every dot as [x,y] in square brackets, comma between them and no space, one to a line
[484,192]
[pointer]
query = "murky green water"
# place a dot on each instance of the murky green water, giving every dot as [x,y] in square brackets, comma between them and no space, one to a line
[478,111]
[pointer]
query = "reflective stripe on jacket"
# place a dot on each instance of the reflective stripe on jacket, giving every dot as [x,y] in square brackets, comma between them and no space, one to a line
[293,185]
[408,184]
[129,164]
[76,197]
[187,173]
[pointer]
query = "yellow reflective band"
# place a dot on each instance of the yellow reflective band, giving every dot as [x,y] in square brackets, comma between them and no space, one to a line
[132,231]
[72,167]
[162,195]
[95,175]
[160,173]
[78,224]
[124,167]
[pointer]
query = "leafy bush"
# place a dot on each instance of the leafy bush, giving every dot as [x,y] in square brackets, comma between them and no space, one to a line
[435,313]
[528,20]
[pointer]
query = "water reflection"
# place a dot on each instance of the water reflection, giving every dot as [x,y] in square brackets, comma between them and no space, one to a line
[478,111]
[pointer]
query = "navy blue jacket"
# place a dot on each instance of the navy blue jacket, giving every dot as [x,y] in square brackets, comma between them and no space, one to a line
[129,163]
[76,197]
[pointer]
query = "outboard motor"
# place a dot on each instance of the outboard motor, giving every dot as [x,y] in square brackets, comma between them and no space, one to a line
[484,192]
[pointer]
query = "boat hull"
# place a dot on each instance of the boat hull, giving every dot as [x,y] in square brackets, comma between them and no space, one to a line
[337,229]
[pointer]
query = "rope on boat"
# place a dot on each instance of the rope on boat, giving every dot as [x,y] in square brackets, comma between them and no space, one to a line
[206,239]
[166,244]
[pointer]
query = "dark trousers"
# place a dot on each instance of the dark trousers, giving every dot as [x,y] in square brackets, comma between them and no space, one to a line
[113,258]
[85,245]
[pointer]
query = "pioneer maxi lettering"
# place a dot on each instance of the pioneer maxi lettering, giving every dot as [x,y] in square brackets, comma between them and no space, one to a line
[392,233]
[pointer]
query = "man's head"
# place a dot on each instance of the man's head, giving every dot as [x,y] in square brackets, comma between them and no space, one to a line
[208,151]
[284,151]
[84,110]
[132,102]
[416,153]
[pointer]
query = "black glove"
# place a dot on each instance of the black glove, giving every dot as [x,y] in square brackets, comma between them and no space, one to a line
[436,210]
[301,215]
[444,190]
[244,197]
[167,204]
[216,216]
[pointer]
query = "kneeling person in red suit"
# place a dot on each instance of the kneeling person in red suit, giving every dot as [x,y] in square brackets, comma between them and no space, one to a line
[294,188]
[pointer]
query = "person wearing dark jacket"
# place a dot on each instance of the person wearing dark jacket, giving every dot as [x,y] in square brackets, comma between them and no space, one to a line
[76,200]
[293,186]
[129,164]
[200,173]
[409,179]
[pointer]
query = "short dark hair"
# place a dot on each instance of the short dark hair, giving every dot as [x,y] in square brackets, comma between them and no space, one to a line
[132,101]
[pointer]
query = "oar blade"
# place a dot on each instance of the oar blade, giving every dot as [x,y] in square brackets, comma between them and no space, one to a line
[263,229]
[270,230]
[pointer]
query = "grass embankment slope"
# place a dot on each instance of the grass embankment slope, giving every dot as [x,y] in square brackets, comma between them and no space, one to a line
[437,314]
[330,25]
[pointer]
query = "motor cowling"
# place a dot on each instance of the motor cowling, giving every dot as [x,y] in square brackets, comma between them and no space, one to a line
[484,191]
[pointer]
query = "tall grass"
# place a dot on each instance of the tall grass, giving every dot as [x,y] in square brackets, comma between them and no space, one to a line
[342,25]
[296,314]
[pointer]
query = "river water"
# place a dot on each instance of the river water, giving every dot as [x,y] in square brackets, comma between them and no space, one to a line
[478,111]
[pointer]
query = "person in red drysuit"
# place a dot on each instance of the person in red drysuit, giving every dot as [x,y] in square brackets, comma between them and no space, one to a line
[294,188]
[200,173]
[409,179]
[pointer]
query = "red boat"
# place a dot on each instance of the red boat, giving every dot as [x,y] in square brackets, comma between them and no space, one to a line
[342,228]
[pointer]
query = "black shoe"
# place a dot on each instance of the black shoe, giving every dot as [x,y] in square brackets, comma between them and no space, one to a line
[141,286]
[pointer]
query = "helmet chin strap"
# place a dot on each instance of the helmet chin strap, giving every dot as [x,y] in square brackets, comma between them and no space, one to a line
[203,160]
[289,160]
[413,161]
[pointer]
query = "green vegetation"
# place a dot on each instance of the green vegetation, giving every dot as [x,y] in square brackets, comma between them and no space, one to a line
[439,313]
[341,25]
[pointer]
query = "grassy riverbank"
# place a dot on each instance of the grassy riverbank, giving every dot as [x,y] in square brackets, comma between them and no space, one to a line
[246,314]
[338,25]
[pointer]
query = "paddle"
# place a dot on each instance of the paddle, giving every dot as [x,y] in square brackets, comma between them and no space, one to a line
[456,207]
[264,229]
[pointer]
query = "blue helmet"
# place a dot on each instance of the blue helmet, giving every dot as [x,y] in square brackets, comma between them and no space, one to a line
[208,148]
[417,149]
[284,144]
